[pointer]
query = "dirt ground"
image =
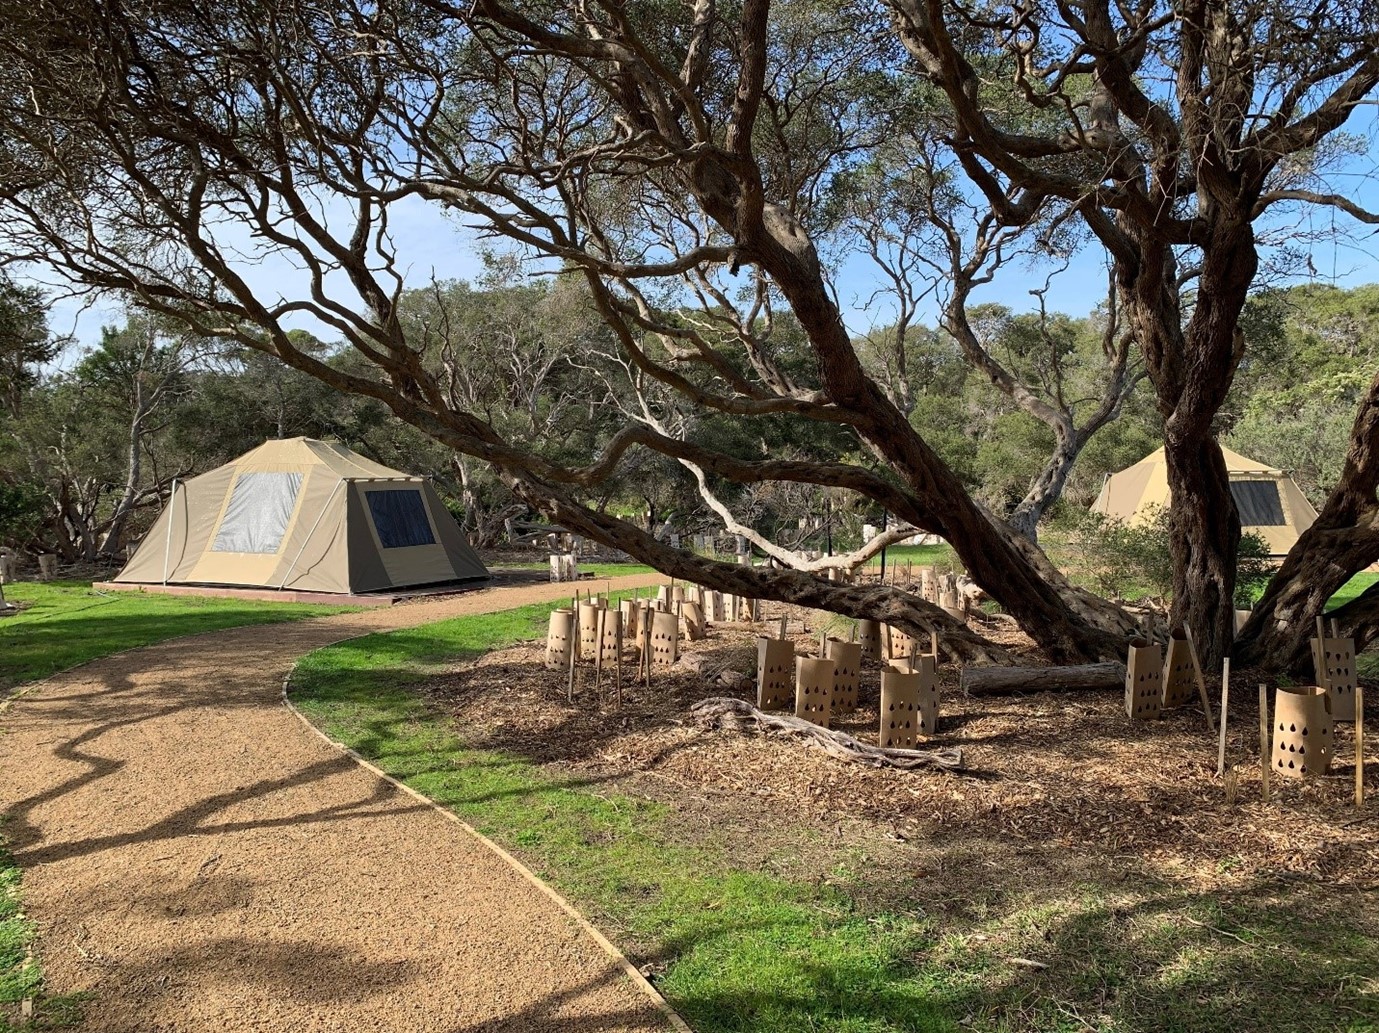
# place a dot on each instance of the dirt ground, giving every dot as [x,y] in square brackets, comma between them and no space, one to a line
[1050,776]
[198,860]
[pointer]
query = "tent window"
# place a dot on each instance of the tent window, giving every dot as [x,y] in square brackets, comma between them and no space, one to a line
[400,517]
[1258,503]
[260,507]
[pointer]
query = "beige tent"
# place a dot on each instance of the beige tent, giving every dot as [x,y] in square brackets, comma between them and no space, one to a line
[1270,502]
[304,516]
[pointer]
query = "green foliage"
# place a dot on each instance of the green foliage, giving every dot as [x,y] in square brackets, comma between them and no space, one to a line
[1133,560]
[22,508]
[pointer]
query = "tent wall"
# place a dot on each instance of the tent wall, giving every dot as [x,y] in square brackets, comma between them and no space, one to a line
[326,535]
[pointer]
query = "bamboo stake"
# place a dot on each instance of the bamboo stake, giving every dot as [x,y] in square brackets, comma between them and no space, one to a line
[1201,681]
[1264,741]
[1225,704]
[1359,745]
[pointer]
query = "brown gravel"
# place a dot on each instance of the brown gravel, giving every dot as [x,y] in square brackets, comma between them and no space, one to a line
[198,860]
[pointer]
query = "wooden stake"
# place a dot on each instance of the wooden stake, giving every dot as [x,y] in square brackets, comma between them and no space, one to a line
[1201,681]
[823,644]
[1264,741]
[1321,632]
[574,631]
[852,636]
[933,644]
[1335,628]
[617,671]
[647,652]
[1225,705]
[886,634]
[782,627]
[600,625]
[1359,745]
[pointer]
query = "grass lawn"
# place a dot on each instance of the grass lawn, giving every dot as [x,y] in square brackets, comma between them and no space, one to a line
[65,623]
[837,943]
[1351,589]
[20,976]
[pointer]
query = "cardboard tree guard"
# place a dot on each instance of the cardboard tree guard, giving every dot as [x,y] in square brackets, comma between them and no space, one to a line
[1334,662]
[775,664]
[1304,736]
[1144,680]
[847,658]
[814,690]
[559,639]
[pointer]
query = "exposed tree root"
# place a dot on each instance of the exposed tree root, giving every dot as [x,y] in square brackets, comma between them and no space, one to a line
[739,715]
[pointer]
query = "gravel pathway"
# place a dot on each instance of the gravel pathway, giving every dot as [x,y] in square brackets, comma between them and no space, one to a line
[199,861]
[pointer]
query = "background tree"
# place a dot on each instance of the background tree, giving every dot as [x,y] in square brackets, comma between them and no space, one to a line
[666,156]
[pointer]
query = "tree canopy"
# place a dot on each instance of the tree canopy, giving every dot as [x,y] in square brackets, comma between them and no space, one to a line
[699,170]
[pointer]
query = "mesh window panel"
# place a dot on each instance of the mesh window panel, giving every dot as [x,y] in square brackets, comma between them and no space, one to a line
[260,508]
[1258,503]
[400,518]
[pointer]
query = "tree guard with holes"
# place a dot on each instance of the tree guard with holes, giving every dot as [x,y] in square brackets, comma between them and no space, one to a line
[899,708]
[587,643]
[899,645]
[1180,671]
[1334,662]
[1144,681]
[847,658]
[814,690]
[630,612]
[611,638]
[1304,737]
[665,639]
[775,662]
[559,639]
[869,638]
[694,621]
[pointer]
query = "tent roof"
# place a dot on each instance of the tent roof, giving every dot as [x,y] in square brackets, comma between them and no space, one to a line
[308,452]
[1235,463]
[1129,494]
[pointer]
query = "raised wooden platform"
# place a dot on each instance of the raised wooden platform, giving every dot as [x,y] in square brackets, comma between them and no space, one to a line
[271,595]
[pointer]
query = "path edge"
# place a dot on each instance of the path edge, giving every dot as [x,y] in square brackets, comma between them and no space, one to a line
[585,926]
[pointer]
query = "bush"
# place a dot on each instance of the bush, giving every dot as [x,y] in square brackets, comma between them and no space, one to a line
[1132,561]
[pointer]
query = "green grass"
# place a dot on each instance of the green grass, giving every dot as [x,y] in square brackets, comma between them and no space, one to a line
[740,947]
[20,975]
[65,623]
[1351,589]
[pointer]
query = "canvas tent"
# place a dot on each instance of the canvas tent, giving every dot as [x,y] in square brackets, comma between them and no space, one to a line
[1270,502]
[304,516]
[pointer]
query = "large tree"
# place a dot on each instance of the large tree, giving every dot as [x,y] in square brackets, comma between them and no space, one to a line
[666,154]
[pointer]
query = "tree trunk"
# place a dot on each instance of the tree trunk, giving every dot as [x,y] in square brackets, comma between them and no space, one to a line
[1048,486]
[1342,542]
[994,681]
[1205,537]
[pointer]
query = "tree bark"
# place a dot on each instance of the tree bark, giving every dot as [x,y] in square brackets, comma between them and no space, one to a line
[995,681]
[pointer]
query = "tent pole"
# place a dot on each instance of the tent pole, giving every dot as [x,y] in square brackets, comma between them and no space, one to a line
[307,541]
[167,544]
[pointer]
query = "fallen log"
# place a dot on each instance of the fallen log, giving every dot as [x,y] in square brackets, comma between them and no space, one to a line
[737,714]
[996,681]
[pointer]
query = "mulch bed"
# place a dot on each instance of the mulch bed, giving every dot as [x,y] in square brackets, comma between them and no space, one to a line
[1051,772]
